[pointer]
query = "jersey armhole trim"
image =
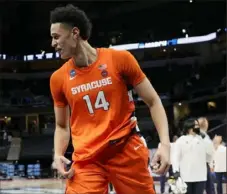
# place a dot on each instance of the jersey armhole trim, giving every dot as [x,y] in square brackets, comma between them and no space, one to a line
[140,80]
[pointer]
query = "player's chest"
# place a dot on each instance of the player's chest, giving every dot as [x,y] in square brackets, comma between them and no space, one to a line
[101,80]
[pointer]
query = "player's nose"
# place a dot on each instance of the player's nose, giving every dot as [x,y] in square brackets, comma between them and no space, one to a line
[54,43]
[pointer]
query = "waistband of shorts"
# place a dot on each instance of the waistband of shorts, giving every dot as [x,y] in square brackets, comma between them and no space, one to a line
[132,132]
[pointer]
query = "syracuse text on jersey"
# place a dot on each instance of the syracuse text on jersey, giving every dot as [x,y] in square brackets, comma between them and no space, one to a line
[91,85]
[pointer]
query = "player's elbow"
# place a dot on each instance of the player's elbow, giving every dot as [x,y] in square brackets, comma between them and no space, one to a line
[62,127]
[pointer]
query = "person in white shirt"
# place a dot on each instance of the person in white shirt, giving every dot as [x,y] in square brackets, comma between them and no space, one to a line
[204,125]
[190,157]
[219,163]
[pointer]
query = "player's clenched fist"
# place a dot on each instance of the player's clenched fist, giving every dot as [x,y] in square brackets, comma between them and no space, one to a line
[61,162]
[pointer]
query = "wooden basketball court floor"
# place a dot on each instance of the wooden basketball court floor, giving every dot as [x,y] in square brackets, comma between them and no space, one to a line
[45,186]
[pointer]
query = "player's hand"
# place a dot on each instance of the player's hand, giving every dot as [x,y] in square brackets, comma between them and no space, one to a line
[161,161]
[61,162]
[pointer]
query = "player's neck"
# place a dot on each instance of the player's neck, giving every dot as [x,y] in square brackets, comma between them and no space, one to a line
[85,54]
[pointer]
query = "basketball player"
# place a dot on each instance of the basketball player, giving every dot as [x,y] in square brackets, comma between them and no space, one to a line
[93,83]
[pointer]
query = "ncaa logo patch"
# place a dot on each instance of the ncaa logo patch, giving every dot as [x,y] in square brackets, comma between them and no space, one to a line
[104,73]
[72,74]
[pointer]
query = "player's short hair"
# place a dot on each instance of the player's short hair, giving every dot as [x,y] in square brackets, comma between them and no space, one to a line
[74,17]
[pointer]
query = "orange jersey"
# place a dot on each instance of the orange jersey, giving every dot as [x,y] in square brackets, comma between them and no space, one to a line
[101,107]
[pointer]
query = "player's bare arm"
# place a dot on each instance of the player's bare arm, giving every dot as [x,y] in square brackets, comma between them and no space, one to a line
[146,91]
[61,140]
[62,132]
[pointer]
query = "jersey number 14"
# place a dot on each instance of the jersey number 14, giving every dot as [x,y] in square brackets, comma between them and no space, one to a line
[100,102]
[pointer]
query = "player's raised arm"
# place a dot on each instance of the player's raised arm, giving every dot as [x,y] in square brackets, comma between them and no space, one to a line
[145,90]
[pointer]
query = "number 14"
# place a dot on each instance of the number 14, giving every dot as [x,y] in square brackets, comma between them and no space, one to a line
[100,102]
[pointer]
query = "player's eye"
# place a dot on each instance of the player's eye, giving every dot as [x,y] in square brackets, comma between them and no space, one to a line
[55,37]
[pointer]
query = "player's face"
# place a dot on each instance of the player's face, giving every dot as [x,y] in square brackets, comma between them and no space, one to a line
[64,39]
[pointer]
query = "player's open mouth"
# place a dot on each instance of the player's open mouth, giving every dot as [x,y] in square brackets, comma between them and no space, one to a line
[59,50]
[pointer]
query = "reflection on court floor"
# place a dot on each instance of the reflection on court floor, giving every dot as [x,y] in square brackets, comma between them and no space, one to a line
[24,186]
[33,190]
[45,186]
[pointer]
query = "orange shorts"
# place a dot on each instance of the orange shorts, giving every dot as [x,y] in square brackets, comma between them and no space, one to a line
[124,164]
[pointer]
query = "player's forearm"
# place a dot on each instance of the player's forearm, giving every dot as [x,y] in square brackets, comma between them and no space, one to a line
[61,140]
[160,121]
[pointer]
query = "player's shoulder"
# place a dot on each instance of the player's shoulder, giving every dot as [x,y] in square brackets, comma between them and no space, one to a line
[118,53]
[119,57]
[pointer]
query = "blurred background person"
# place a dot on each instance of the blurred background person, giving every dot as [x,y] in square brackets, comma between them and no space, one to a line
[219,163]
[190,158]
[204,125]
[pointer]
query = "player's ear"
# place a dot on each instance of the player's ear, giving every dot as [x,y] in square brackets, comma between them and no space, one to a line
[76,33]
